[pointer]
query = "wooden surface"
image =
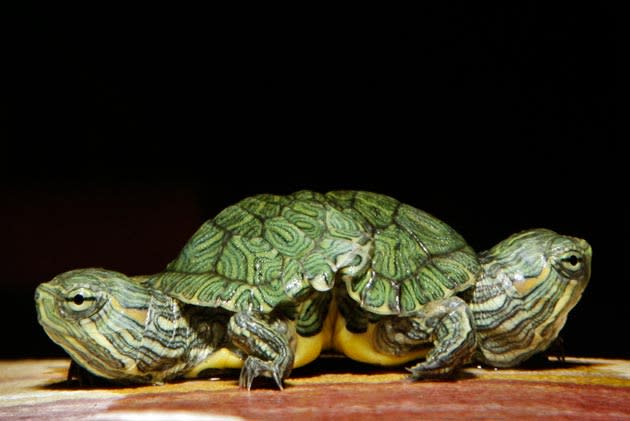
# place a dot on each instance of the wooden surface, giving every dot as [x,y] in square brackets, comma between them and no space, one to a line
[330,388]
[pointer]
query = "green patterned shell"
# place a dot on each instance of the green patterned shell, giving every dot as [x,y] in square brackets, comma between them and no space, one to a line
[267,251]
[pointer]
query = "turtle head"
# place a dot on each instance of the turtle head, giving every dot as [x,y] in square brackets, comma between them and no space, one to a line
[528,285]
[97,316]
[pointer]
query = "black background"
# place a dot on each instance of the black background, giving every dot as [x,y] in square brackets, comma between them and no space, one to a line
[125,129]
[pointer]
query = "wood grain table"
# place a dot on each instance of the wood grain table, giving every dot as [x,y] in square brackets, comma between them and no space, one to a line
[331,388]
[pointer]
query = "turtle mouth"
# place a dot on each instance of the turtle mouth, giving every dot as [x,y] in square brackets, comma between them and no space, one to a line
[44,303]
[582,278]
[47,301]
[589,258]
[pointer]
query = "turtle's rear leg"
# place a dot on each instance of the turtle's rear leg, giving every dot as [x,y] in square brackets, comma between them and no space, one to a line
[447,324]
[269,343]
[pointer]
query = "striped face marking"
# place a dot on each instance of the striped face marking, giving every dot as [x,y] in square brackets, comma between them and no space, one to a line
[98,317]
[529,284]
[525,286]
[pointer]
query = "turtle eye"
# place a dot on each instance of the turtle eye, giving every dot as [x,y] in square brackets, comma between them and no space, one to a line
[80,301]
[572,261]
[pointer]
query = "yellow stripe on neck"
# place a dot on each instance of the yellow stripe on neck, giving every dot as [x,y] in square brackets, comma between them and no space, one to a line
[527,285]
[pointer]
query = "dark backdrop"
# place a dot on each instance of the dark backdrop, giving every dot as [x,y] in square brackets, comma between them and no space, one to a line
[124,129]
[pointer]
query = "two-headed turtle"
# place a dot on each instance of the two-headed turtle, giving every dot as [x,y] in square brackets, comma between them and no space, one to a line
[273,281]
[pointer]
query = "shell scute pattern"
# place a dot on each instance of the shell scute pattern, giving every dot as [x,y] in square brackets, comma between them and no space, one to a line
[287,238]
[431,234]
[397,255]
[270,249]
[264,206]
[312,226]
[263,251]
[244,258]
[202,251]
[377,209]
[216,289]
[239,221]
[416,257]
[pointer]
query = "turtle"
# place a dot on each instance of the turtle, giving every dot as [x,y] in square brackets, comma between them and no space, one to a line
[273,281]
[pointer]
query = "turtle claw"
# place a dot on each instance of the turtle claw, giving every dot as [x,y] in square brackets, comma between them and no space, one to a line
[277,378]
[430,370]
[255,367]
[269,344]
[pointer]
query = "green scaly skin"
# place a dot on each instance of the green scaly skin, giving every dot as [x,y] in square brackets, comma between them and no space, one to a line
[527,286]
[513,321]
[118,328]
[269,268]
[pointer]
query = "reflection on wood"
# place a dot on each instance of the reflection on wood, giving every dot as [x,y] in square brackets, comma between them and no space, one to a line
[330,388]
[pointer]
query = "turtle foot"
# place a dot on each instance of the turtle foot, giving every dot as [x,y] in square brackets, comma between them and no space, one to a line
[268,342]
[255,367]
[449,322]
[431,370]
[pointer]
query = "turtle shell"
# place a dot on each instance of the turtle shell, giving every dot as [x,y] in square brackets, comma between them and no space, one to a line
[268,250]
[263,252]
[416,258]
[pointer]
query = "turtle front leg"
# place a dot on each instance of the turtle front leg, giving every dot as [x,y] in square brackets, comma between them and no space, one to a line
[445,323]
[269,343]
